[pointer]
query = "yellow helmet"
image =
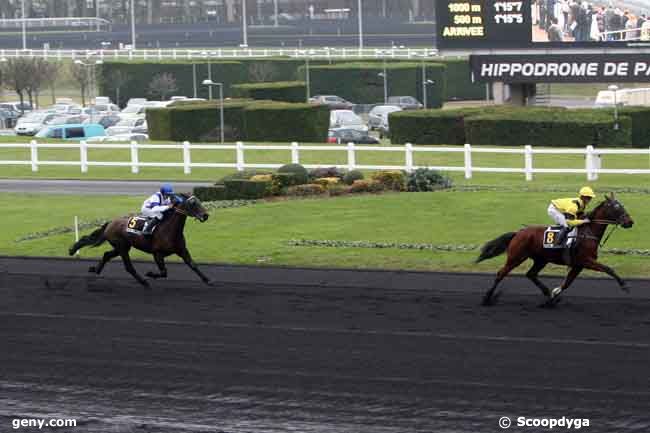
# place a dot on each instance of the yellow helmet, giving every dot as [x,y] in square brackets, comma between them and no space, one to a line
[585,191]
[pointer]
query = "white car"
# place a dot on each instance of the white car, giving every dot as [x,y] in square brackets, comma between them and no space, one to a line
[378,116]
[32,122]
[132,111]
[346,119]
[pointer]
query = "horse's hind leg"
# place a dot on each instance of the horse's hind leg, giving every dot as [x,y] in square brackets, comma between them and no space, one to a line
[160,261]
[131,270]
[108,255]
[511,263]
[534,271]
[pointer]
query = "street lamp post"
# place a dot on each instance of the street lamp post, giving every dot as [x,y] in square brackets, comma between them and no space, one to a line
[425,83]
[211,83]
[133,24]
[360,17]
[275,13]
[244,25]
[613,88]
[24,25]
[384,75]
[307,78]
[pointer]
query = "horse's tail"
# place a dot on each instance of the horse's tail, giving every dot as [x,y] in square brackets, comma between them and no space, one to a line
[496,246]
[94,239]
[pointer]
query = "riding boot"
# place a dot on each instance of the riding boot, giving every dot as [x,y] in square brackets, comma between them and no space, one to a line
[561,236]
[147,230]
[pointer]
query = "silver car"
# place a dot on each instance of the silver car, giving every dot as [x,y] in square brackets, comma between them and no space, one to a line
[378,116]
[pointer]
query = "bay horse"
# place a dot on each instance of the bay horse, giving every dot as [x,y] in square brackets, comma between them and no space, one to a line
[527,243]
[167,239]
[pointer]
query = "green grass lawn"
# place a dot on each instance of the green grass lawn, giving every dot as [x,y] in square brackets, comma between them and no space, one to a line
[259,234]
[570,181]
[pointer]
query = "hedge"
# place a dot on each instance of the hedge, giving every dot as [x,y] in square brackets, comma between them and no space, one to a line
[640,117]
[361,83]
[140,73]
[282,121]
[243,120]
[197,122]
[515,126]
[287,91]
[544,127]
[459,81]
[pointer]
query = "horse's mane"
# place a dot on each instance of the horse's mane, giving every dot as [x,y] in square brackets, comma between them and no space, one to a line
[593,211]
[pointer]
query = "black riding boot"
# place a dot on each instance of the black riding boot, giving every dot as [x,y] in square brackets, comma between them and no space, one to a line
[147,230]
[561,236]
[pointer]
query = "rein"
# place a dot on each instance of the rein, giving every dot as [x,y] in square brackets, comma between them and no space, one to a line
[606,222]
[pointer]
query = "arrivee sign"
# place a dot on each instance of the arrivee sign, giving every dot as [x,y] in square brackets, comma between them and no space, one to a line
[579,68]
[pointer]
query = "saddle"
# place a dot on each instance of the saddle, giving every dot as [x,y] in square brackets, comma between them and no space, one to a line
[551,235]
[136,225]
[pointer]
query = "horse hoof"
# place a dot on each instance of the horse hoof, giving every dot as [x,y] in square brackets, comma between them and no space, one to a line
[487,302]
[146,284]
[625,288]
[152,275]
[92,270]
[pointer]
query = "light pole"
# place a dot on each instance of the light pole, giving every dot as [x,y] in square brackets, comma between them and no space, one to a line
[425,83]
[360,17]
[275,13]
[133,24]
[211,83]
[307,78]
[244,25]
[97,14]
[614,88]
[24,25]
[384,75]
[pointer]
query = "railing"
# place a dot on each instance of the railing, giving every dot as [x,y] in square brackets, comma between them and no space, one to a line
[592,157]
[31,23]
[226,53]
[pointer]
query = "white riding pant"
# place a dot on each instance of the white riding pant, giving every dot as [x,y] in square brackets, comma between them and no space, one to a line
[557,216]
[151,213]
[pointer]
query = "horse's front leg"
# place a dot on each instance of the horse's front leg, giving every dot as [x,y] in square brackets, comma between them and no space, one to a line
[568,280]
[187,258]
[160,262]
[599,267]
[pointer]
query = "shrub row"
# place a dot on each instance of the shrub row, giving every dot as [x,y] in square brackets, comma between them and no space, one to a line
[287,91]
[243,120]
[295,180]
[452,77]
[514,126]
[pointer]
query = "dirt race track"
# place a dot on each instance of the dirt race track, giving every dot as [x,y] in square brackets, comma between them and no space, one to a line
[279,350]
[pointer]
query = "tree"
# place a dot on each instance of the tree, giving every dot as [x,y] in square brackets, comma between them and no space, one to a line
[118,78]
[41,73]
[17,71]
[80,75]
[162,84]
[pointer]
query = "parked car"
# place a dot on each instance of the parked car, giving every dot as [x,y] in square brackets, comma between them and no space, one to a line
[107,120]
[346,119]
[132,111]
[379,115]
[405,102]
[136,101]
[350,136]
[8,117]
[17,106]
[119,138]
[76,131]
[102,109]
[332,101]
[32,122]
[119,130]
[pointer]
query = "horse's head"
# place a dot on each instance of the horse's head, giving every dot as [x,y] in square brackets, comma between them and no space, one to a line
[192,206]
[612,210]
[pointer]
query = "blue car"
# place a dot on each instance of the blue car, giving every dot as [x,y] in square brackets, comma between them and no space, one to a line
[75,131]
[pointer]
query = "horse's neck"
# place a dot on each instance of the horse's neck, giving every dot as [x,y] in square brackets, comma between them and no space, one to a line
[597,229]
[176,222]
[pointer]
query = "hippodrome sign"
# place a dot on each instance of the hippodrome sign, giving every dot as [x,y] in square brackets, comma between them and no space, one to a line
[473,24]
[578,68]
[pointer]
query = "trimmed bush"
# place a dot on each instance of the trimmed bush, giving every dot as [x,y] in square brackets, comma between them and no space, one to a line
[425,180]
[298,171]
[352,176]
[286,91]
[360,83]
[327,182]
[237,189]
[305,190]
[459,84]
[321,172]
[366,186]
[640,118]
[391,180]
[243,175]
[210,193]
[537,127]
[427,127]
[197,122]
[282,121]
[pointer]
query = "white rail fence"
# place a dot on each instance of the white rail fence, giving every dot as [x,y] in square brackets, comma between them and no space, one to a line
[591,155]
[225,53]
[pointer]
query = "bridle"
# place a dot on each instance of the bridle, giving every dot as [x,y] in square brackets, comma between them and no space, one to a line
[615,223]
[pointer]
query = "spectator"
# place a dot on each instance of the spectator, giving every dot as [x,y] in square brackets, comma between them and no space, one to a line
[555,33]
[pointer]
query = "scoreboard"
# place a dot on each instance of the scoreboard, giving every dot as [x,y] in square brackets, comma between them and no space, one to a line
[503,24]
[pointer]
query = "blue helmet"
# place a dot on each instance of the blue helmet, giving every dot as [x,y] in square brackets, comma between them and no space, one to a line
[166,189]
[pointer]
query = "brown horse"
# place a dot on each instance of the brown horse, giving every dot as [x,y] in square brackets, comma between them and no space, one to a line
[527,243]
[166,240]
